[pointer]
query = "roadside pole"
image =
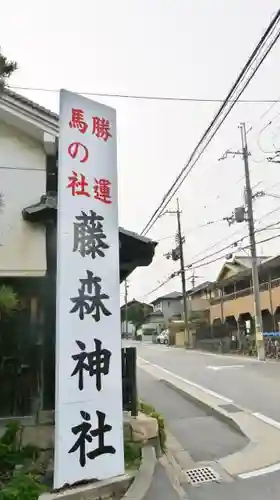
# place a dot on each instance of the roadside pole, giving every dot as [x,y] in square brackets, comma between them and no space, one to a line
[188,340]
[251,227]
[178,254]
[126,308]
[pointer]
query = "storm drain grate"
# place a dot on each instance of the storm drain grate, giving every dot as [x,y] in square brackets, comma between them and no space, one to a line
[202,475]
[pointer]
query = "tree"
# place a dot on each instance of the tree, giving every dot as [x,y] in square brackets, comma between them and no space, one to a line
[136,313]
[6,69]
[9,301]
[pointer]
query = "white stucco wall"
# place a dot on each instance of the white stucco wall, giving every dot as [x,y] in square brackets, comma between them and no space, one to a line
[169,308]
[22,182]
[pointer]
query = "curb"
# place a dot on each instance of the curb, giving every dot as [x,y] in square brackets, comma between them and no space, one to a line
[144,476]
[217,412]
[99,489]
[104,489]
[263,439]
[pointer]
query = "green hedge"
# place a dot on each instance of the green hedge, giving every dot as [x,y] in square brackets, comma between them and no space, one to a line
[132,454]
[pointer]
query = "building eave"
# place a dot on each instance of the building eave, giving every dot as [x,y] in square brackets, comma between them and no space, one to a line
[45,120]
[268,264]
[135,250]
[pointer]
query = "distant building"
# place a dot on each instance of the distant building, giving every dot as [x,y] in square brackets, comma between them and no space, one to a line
[169,305]
[231,295]
[198,297]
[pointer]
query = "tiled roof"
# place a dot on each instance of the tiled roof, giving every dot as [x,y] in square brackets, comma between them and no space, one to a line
[247,261]
[199,288]
[168,296]
[32,104]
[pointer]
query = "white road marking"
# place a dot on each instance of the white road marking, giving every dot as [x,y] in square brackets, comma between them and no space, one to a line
[267,420]
[246,475]
[260,472]
[216,368]
[189,382]
[236,357]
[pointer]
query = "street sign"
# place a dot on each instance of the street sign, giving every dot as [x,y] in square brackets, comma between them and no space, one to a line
[88,410]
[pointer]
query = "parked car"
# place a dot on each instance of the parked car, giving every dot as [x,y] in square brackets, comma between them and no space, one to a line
[163,337]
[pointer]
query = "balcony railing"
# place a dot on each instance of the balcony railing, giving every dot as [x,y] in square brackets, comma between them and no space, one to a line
[245,292]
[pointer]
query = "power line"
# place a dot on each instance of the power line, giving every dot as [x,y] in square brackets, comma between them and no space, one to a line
[176,273]
[222,193]
[242,248]
[160,285]
[215,123]
[169,195]
[230,245]
[237,232]
[261,133]
[194,228]
[150,97]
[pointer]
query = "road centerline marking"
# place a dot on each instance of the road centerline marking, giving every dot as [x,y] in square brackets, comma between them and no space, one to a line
[224,367]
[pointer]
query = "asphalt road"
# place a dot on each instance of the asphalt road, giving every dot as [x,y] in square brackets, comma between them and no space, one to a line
[252,384]
[247,382]
[259,488]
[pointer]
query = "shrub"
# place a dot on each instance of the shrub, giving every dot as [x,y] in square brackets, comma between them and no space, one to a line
[9,301]
[151,412]
[14,483]
[132,454]
[22,487]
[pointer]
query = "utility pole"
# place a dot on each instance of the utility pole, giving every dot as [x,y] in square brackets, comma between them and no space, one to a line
[178,254]
[242,214]
[251,227]
[126,286]
[188,342]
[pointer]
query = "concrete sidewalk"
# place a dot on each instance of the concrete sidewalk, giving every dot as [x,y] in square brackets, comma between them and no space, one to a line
[162,487]
[196,435]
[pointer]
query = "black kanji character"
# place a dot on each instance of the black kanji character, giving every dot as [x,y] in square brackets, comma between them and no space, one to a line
[86,435]
[89,300]
[96,363]
[89,236]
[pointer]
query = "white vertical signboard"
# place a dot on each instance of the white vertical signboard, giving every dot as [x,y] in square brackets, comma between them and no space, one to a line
[88,413]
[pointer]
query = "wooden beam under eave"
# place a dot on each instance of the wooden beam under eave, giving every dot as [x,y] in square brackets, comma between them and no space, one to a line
[50,144]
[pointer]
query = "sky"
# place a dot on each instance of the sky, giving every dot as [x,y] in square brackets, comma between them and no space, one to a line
[179,48]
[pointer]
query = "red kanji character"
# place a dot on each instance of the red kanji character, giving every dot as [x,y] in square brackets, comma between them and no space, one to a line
[78,185]
[102,190]
[78,120]
[73,150]
[101,128]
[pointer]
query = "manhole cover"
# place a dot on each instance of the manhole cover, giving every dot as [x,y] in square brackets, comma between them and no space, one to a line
[202,475]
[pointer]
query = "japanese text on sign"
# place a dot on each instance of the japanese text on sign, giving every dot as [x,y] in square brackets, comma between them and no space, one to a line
[89,402]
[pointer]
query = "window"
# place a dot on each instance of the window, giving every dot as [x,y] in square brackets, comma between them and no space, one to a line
[158,307]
